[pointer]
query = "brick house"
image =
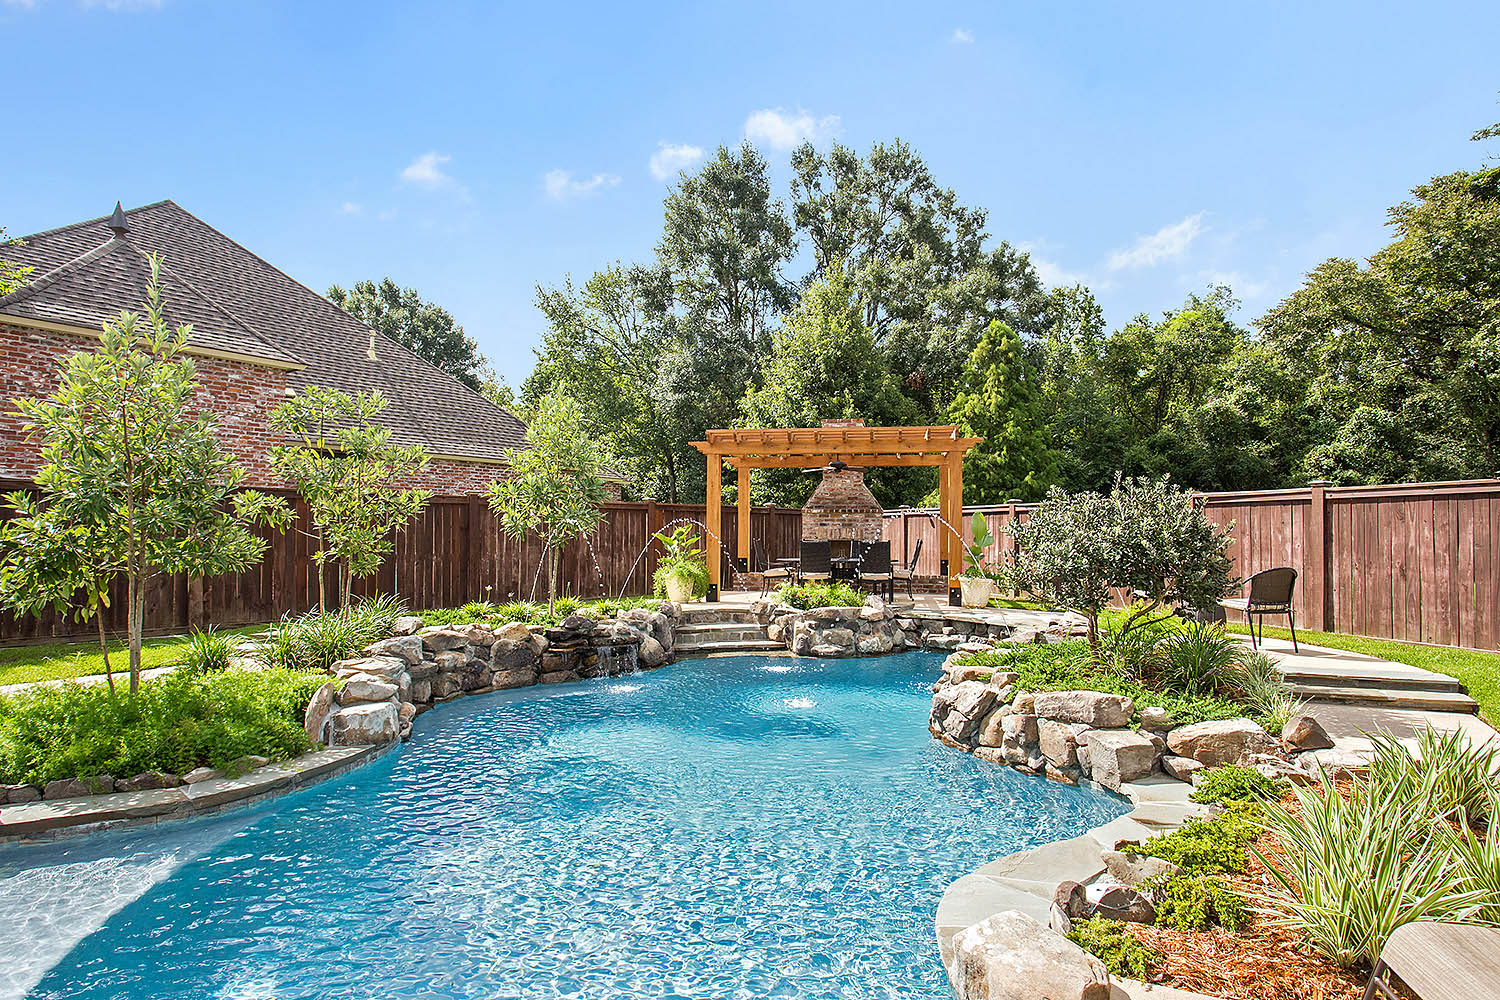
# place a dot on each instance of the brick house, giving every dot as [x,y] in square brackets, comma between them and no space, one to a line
[258,336]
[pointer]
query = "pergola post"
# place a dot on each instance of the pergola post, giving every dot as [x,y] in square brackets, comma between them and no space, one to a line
[713,517]
[953,500]
[742,522]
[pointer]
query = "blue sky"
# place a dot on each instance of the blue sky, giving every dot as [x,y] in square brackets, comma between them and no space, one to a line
[474,150]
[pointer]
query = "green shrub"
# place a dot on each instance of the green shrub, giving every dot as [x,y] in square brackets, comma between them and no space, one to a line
[1195,903]
[1198,660]
[1231,783]
[208,651]
[1206,847]
[1264,688]
[1122,952]
[532,613]
[318,639]
[807,596]
[175,723]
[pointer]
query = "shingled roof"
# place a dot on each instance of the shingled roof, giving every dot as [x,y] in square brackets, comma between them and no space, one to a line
[240,306]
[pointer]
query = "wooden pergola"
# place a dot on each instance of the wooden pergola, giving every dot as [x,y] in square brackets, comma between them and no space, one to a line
[856,446]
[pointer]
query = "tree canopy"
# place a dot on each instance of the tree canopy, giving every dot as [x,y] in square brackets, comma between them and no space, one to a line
[427,330]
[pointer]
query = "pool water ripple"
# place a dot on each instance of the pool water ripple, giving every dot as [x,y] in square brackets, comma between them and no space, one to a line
[725,828]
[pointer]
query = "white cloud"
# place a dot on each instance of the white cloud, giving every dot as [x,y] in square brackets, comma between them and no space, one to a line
[669,159]
[1164,244]
[962,36]
[352,208]
[427,170]
[785,130]
[561,185]
[1243,286]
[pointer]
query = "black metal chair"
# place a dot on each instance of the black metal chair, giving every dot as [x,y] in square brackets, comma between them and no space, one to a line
[816,562]
[761,564]
[875,567]
[1270,593]
[907,572]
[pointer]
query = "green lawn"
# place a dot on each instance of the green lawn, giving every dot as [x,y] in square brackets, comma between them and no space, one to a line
[1478,671]
[56,660]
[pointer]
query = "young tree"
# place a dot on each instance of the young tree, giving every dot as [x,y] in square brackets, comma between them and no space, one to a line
[1144,536]
[132,483]
[426,329]
[348,471]
[12,276]
[997,402]
[554,487]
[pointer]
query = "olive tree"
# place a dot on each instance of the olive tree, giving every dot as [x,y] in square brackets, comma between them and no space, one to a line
[348,471]
[1145,537]
[133,483]
[554,488]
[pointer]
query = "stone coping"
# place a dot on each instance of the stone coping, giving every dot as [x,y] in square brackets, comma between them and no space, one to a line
[1026,880]
[46,820]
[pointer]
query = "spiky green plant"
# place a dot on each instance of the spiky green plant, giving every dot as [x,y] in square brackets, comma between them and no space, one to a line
[210,650]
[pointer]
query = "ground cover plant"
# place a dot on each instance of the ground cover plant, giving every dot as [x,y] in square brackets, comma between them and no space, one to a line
[1122,953]
[806,596]
[176,722]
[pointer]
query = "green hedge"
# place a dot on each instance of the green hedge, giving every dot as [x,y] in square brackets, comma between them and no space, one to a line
[174,723]
[806,596]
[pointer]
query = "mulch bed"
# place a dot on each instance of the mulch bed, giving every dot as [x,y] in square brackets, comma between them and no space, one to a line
[1257,962]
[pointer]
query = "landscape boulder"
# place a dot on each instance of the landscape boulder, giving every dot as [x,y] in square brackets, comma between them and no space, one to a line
[1131,871]
[1059,742]
[1011,956]
[1220,742]
[1121,903]
[1116,756]
[407,648]
[364,725]
[319,707]
[71,788]
[17,794]
[1181,768]
[1089,708]
[1303,732]
[364,687]
[436,640]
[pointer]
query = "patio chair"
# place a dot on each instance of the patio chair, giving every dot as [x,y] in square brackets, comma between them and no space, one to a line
[762,565]
[905,573]
[1271,593]
[816,563]
[1437,961]
[875,567]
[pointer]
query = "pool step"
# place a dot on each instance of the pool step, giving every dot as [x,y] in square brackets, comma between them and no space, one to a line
[729,646]
[717,616]
[712,631]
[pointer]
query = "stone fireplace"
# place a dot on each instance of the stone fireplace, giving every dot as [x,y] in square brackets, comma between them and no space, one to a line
[842,507]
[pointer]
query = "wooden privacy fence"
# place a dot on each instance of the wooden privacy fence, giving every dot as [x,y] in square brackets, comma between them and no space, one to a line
[453,553]
[1419,562]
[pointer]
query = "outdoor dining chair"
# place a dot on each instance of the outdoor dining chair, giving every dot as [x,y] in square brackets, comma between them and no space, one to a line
[1437,961]
[816,562]
[905,574]
[762,565]
[875,567]
[1270,593]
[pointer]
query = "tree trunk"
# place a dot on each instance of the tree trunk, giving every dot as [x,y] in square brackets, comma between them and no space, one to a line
[136,598]
[552,578]
[322,583]
[109,674]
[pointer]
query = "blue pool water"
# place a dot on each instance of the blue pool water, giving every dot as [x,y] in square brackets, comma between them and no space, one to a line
[735,827]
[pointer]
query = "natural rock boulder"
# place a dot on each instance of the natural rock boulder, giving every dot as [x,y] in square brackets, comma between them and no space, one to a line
[1213,744]
[403,647]
[436,640]
[407,624]
[17,794]
[1090,708]
[513,632]
[387,668]
[1303,732]
[1059,741]
[509,653]
[1156,718]
[502,680]
[1125,904]
[651,653]
[1012,957]
[1132,871]
[362,688]
[364,725]
[1181,768]
[1118,755]
[319,707]
[71,788]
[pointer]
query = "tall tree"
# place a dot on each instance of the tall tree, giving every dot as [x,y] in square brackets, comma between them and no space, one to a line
[997,401]
[131,470]
[427,330]
[926,283]
[1400,358]
[347,469]
[554,488]
[12,275]
[823,364]
[603,349]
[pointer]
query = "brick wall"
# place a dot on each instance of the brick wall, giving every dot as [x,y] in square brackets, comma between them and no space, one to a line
[842,507]
[239,395]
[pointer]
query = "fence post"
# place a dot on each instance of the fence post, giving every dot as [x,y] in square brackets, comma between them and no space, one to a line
[1315,563]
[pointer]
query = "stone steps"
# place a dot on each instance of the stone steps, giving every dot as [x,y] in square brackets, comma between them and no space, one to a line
[750,629]
[716,616]
[1392,682]
[730,646]
[1389,697]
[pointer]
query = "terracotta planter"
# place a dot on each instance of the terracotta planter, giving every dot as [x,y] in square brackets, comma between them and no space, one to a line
[679,591]
[977,590]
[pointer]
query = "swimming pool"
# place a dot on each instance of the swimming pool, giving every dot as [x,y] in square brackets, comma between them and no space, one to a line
[731,827]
